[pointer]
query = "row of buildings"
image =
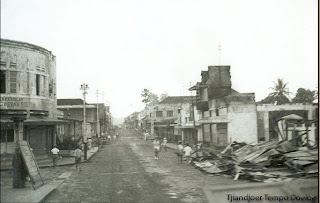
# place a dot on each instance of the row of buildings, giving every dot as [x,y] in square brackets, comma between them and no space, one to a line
[218,115]
[29,106]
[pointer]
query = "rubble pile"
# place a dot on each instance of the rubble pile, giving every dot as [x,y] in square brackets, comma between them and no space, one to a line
[263,162]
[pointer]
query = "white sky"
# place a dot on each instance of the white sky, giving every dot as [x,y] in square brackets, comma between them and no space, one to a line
[121,47]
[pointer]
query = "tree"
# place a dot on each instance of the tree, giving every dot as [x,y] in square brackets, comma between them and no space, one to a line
[163,96]
[154,99]
[149,98]
[304,96]
[146,96]
[280,94]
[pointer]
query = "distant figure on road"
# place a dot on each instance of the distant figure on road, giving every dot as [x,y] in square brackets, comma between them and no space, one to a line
[187,153]
[164,144]
[114,137]
[146,136]
[55,155]
[179,152]
[156,146]
[117,134]
[89,143]
[77,156]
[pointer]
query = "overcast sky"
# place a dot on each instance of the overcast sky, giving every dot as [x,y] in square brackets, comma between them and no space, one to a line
[121,47]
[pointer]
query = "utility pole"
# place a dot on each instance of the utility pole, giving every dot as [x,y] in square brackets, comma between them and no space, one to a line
[84,88]
[98,124]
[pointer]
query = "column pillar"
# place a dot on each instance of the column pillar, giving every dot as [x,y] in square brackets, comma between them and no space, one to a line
[19,173]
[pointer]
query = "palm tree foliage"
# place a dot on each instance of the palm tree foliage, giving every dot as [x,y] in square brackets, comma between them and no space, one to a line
[280,94]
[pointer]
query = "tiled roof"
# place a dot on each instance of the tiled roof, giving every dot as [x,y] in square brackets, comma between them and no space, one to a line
[64,102]
[177,99]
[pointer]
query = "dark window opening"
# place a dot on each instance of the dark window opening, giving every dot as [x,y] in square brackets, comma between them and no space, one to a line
[7,135]
[10,135]
[3,82]
[37,84]
[217,112]
[158,113]
[169,113]
[3,136]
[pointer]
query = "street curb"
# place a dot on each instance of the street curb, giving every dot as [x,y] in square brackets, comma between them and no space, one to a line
[55,184]
[49,166]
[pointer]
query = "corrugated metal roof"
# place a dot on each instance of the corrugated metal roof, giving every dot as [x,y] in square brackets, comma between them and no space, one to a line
[178,99]
[65,102]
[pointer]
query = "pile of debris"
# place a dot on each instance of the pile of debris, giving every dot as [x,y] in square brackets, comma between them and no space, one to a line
[263,162]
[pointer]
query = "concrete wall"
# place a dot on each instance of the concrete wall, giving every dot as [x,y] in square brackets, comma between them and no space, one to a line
[27,61]
[265,112]
[242,126]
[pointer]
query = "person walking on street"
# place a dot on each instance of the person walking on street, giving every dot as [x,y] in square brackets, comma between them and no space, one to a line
[156,146]
[187,153]
[109,139]
[164,144]
[180,152]
[55,155]
[77,156]
[89,143]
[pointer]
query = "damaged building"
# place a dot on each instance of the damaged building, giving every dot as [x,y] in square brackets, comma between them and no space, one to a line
[225,114]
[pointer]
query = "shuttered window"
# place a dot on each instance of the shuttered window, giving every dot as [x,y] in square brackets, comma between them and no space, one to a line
[13,81]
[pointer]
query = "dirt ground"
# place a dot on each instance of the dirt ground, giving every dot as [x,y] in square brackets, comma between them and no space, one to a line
[126,171]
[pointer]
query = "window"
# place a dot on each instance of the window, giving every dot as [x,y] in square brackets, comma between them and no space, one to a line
[3,81]
[158,113]
[7,135]
[38,84]
[13,82]
[3,136]
[51,88]
[10,135]
[217,111]
[210,113]
[169,113]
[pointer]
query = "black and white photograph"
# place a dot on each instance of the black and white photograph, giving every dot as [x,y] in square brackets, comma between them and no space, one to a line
[156,101]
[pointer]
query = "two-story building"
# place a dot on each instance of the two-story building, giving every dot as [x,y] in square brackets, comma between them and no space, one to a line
[73,111]
[165,115]
[28,96]
[188,123]
[226,115]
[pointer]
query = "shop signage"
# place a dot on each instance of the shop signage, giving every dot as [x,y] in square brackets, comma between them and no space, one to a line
[22,103]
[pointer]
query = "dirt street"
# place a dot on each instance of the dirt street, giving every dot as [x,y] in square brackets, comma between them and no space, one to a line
[126,171]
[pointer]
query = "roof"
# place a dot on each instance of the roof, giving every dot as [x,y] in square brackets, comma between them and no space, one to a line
[64,102]
[177,99]
[291,117]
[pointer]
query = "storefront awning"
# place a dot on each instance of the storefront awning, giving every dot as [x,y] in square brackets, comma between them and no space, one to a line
[8,123]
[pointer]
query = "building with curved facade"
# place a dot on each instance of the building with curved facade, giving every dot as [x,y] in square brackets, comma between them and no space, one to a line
[28,87]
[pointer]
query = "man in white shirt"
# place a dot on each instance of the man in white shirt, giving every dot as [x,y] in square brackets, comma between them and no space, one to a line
[187,153]
[156,146]
[164,144]
[55,155]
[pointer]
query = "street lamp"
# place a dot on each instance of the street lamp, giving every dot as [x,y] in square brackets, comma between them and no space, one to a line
[84,88]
